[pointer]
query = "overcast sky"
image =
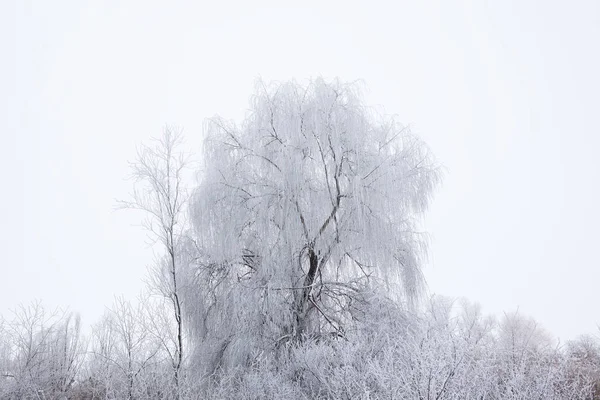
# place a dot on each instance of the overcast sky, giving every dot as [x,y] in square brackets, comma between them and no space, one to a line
[506,93]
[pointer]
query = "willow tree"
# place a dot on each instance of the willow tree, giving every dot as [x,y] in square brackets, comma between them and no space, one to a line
[312,200]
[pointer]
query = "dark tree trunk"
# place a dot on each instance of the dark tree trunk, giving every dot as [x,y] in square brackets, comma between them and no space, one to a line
[302,306]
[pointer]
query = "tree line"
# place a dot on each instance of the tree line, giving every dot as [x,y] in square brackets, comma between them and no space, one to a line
[290,269]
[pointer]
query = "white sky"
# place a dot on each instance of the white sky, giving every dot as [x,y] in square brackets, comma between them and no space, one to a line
[505,92]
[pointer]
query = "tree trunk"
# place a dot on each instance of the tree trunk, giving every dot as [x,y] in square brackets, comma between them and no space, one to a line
[302,306]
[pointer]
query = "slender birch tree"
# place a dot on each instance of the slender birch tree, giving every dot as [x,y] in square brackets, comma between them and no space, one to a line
[161,193]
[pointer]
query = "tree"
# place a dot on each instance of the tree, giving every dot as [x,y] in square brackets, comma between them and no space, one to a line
[44,353]
[310,203]
[584,362]
[123,351]
[161,193]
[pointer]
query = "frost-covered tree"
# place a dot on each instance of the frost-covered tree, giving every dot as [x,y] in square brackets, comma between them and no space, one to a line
[310,202]
[161,193]
[584,356]
[42,353]
[123,352]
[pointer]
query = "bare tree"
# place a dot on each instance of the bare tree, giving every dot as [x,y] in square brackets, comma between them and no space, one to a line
[45,353]
[123,351]
[160,192]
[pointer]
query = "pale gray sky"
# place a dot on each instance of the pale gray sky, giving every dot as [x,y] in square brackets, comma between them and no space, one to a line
[505,92]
